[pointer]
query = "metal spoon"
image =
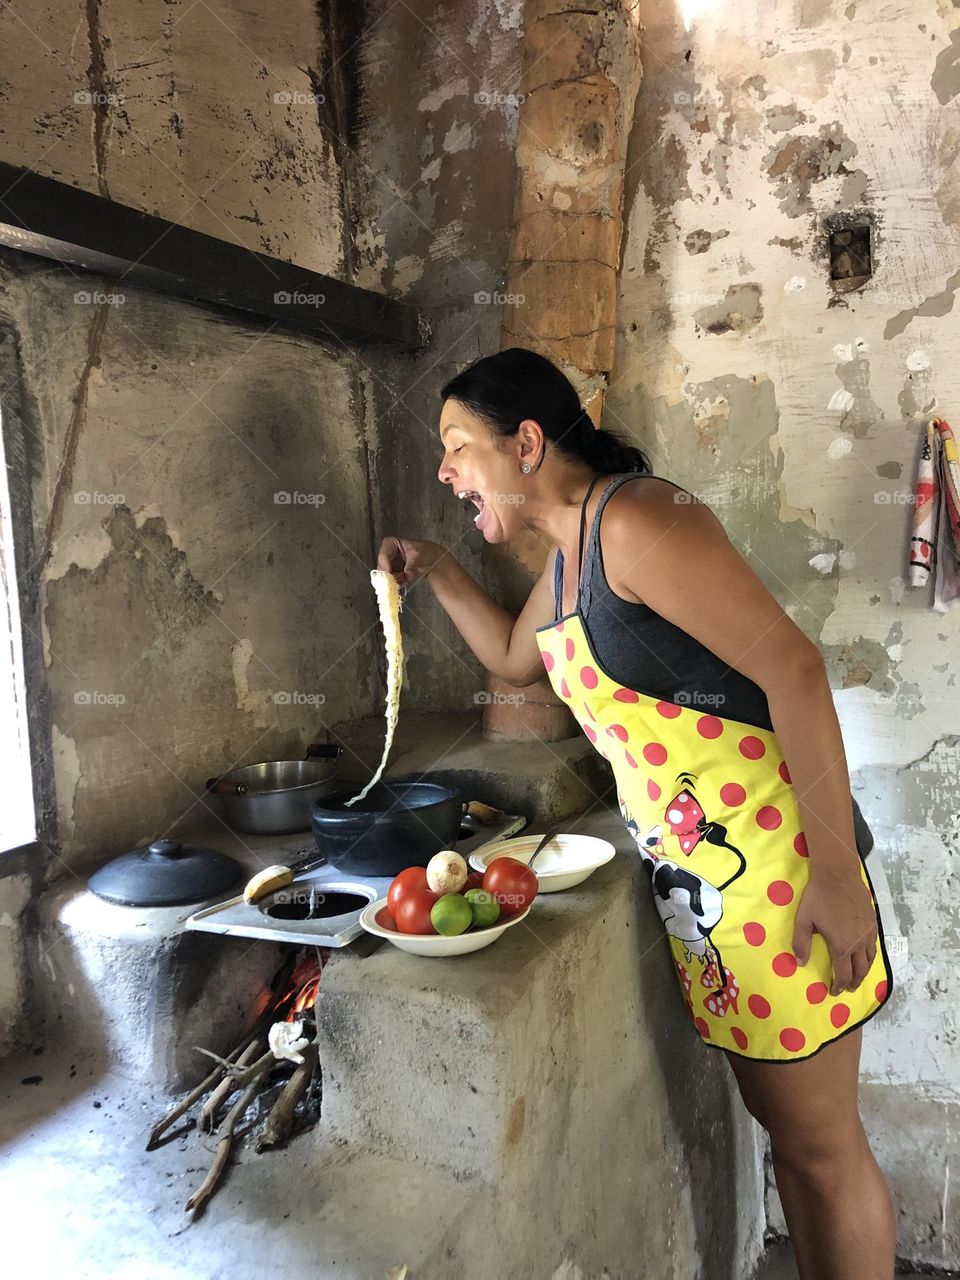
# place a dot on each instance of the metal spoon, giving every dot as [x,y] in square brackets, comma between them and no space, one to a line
[543,843]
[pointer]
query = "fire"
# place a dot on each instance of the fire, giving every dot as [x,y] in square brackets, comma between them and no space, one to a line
[304,986]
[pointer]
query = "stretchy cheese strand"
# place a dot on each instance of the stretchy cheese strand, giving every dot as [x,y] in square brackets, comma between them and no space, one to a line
[388,602]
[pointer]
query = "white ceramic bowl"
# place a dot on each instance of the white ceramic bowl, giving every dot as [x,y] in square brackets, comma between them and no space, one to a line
[567,860]
[435,944]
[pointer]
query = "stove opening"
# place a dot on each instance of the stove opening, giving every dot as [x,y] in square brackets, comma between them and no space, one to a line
[314,904]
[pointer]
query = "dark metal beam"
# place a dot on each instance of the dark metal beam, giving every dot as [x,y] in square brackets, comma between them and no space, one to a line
[50,219]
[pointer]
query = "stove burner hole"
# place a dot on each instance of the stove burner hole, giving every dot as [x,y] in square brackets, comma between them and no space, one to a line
[314,906]
[466,832]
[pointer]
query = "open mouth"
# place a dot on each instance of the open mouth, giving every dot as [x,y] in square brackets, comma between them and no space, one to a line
[471,495]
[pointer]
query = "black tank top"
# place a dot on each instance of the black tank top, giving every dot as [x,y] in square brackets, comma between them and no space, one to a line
[642,650]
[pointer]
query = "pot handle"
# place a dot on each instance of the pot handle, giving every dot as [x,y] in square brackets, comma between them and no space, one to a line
[222,786]
[323,750]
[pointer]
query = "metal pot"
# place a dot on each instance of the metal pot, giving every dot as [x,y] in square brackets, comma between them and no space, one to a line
[274,798]
[400,823]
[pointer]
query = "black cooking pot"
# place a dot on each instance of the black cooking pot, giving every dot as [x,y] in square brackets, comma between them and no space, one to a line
[400,823]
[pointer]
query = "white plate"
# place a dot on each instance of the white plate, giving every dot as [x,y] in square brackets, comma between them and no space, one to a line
[435,944]
[567,860]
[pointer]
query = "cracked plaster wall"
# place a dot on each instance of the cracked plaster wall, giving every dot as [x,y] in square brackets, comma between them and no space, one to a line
[732,347]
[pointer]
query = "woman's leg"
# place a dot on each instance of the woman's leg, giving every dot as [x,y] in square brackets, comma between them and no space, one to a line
[835,1200]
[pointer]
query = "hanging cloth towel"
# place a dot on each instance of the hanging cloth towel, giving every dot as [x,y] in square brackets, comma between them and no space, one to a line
[935,540]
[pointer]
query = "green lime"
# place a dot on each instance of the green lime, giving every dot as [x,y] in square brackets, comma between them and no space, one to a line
[451,915]
[485,907]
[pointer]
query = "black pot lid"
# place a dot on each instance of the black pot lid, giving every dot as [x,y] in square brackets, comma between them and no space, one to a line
[166,874]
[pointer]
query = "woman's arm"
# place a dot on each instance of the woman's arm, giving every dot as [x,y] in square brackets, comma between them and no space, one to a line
[676,557]
[507,646]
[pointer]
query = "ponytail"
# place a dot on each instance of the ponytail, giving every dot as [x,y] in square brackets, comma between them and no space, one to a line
[515,384]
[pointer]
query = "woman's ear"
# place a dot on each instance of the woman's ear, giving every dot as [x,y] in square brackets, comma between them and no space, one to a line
[532,442]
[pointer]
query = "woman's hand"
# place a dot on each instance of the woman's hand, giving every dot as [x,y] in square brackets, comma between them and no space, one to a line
[837,904]
[409,558]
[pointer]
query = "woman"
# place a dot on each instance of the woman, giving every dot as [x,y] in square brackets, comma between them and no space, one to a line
[715,713]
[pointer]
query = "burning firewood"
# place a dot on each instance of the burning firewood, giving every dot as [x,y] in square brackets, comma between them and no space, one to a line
[280,1121]
[251,1070]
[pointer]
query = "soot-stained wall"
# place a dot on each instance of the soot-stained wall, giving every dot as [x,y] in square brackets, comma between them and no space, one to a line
[752,128]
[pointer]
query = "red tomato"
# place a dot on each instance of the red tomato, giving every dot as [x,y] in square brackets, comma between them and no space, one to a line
[474,881]
[385,919]
[413,912]
[512,883]
[412,878]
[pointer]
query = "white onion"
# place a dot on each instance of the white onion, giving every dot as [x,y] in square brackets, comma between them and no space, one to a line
[446,872]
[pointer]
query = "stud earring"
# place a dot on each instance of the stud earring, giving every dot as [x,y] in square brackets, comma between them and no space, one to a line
[526,468]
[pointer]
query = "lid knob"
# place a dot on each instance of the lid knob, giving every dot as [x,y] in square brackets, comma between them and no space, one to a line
[165,848]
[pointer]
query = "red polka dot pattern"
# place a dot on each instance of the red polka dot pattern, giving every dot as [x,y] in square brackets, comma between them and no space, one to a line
[780,893]
[792,1039]
[732,794]
[785,964]
[769,817]
[840,1015]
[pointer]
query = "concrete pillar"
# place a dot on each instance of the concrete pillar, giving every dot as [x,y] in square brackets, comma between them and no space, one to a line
[581,73]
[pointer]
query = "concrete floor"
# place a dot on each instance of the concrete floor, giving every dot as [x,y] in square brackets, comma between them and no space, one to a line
[779,1265]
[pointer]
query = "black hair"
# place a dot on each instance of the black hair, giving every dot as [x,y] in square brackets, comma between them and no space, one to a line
[515,384]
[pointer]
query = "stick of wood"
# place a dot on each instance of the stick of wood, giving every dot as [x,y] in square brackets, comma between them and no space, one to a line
[193,1096]
[280,1120]
[230,1082]
[208,1186]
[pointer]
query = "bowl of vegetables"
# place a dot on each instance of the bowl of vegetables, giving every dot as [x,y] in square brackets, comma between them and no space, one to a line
[566,860]
[445,910]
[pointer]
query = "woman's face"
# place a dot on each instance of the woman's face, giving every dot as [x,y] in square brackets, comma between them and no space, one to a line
[483,470]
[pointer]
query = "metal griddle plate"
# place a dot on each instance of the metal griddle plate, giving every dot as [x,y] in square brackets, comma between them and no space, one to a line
[240,919]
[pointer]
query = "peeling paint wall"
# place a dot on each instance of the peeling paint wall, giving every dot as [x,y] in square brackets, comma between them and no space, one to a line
[198,483]
[437,171]
[796,412]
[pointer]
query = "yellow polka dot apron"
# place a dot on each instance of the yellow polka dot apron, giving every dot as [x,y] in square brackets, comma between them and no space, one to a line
[709,801]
